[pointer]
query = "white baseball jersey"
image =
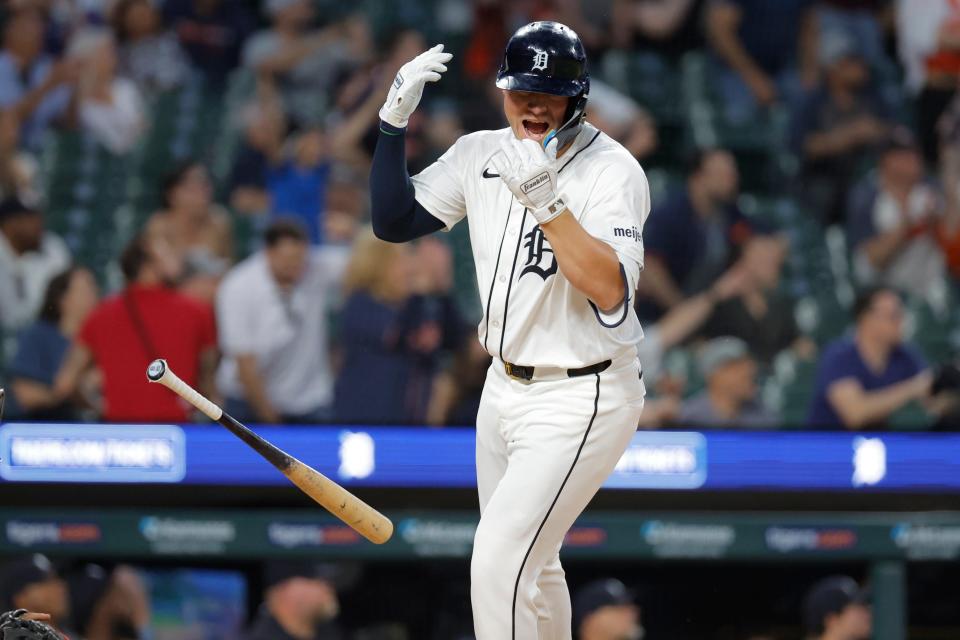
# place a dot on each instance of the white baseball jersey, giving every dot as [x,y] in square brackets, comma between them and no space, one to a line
[532,315]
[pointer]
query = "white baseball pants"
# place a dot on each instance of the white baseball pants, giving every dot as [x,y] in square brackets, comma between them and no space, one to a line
[543,451]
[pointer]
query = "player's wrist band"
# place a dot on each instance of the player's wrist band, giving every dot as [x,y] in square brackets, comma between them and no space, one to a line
[391,130]
[551,211]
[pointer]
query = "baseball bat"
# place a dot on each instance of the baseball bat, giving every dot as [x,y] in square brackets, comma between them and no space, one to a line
[353,511]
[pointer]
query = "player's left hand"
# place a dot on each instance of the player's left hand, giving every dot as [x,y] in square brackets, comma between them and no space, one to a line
[530,171]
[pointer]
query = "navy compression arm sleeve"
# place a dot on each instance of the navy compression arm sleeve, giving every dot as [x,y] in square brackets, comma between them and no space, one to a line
[394,210]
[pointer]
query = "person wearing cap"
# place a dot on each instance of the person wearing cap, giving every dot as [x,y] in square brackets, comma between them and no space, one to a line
[730,397]
[29,258]
[300,603]
[838,124]
[892,220]
[109,604]
[605,610]
[836,608]
[31,582]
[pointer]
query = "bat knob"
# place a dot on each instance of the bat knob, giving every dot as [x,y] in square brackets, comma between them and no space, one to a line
[156,370]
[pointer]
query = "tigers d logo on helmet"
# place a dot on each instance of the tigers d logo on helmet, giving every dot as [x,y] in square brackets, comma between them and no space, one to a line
[540,60]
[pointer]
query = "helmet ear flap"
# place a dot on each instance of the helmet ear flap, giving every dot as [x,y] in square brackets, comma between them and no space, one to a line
[573,118]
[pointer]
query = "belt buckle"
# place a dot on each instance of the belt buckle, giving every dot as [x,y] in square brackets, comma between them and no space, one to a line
[517,372]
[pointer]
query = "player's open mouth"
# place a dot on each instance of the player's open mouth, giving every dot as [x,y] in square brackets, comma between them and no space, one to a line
[534,129]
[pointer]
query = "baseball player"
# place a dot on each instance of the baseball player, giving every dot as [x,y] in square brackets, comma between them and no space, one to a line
[555,210]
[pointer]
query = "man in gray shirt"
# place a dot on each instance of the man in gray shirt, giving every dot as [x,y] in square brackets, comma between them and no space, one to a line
[730,397]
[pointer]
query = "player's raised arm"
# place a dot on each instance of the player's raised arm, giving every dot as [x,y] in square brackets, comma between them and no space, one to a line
[395,212]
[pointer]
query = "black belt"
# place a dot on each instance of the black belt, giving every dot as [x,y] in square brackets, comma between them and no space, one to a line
[526,373]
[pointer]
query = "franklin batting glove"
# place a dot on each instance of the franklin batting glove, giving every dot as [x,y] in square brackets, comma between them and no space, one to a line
[407,87]
[530,171]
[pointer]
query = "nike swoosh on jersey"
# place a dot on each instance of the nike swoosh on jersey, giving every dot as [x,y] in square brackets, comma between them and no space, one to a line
[486,174]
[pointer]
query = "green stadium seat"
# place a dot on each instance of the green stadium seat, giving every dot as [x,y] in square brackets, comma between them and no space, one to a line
[933,323]
[822,316]
[789,388]
[85,185]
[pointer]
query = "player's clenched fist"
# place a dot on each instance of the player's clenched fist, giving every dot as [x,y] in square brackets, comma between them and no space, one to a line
[407,87]
[530,171]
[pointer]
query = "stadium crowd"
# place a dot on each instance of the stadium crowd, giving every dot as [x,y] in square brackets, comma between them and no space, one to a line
[802,254]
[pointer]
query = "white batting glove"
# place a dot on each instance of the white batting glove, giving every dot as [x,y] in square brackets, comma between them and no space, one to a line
[530,171]
[407,87]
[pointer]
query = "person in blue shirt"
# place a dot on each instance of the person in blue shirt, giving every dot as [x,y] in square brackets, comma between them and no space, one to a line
[865,378]
[298,184]
[396,322]
[41,347]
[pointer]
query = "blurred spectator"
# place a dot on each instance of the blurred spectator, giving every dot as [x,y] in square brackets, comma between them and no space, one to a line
[621,118]
[149,56]
[42,346]
[264,126]
[299,59]
[32,583]
[670,28]
[300,603]
[948,233]
[109,604]
[191,224]
[688,236]
[864,20]
[865,378]
[297,184]
[730,399]
[837,125]
[211,32]
[488,36]
[758,312]
[835,608]
[457,390]
[346,205]
[18,167]
[353,123]
[145,321]
[928,36]
[272,313]
[108,107]
[430,323]
[29,258]
[673,328]
[761,45]
[377,285]
[605,610]
[892,220]
[34,86]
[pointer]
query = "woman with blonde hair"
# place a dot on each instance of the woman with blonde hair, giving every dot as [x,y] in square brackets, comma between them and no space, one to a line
[376,286]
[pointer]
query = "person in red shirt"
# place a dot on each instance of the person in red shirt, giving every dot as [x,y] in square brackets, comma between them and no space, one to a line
[146,320]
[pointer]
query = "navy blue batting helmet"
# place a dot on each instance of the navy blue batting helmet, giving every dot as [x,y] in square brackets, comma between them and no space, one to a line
[548,57]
